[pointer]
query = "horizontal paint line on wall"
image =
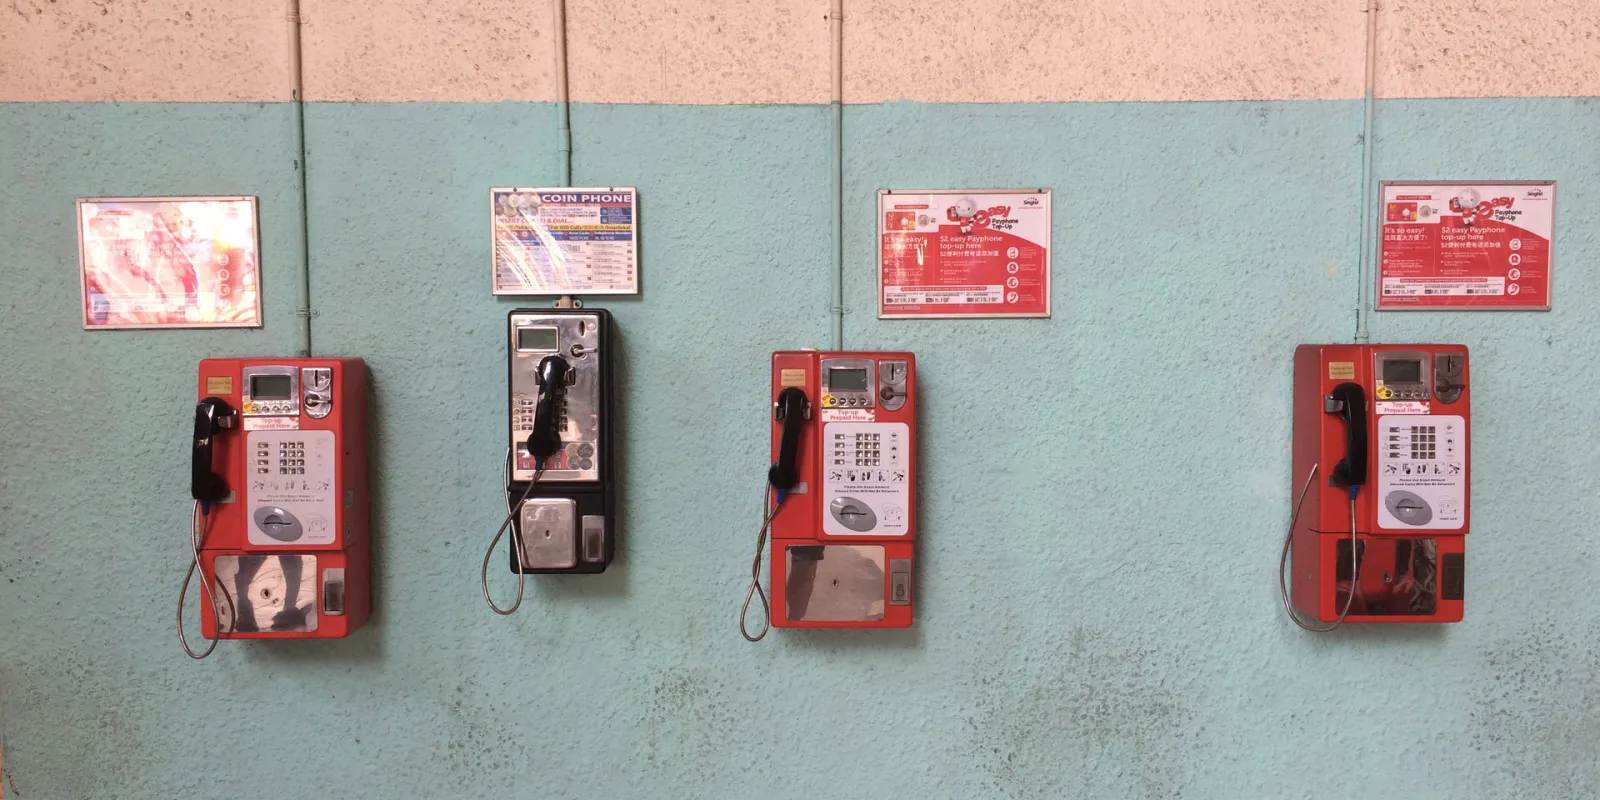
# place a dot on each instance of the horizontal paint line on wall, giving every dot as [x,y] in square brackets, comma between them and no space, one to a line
[847,104]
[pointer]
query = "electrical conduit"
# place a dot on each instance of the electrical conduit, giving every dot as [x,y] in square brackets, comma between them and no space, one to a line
[1366,271]
[302,301]
[563,97]
[836,23]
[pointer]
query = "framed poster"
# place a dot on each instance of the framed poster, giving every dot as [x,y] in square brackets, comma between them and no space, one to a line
[169,262]
[1465,245]
[963,253]
[565,240]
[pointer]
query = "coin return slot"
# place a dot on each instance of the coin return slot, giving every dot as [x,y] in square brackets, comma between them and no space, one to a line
[594,536]
[333,592]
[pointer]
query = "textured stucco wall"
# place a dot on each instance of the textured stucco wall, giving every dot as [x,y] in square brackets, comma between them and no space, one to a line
[1104,492]
[1098,616]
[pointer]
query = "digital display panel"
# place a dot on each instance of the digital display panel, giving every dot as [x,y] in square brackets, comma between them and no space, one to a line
[1402,372]
[536,339]
[270,387]
[847,380]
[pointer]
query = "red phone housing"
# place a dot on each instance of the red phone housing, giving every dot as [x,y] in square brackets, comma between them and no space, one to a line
[842,553]
[287,556]
[1412,514]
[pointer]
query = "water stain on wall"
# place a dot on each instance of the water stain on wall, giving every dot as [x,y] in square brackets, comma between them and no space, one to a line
[477,738]
[687,721]
[1536,720]
[1099,714]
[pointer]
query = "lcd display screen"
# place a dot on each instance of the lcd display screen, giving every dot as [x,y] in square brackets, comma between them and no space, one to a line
[536,339]
[847,380]
[270,387]
[1402,372]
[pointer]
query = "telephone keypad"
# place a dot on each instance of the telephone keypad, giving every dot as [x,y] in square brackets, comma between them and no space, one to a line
[860,450]
[291,458]
[522,414]
[1423,443]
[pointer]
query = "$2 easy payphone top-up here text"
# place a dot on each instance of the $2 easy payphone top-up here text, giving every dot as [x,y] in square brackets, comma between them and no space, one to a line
[279,532]
[559,464]
[840,504]
[1382,465]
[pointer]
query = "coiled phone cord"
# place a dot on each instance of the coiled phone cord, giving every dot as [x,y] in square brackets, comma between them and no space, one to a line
[771,500]
[516,536]
[199,527]
[1283,562]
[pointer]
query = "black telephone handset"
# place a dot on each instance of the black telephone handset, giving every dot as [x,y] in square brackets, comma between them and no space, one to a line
[211,415]
[545,438]
[791,409]
[1349,401]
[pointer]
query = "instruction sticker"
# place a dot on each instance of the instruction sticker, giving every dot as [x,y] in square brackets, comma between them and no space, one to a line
[1422,472]
[964,253]
[848,415]
[272,423]
[1401,407]
[565,240]
[1466,246]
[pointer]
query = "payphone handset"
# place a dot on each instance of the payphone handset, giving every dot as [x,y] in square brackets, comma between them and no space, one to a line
[840,499]
[279,530]
[1381,535]
[559,468]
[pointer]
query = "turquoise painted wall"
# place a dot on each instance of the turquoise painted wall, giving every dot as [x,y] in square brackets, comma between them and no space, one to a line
[1104,492]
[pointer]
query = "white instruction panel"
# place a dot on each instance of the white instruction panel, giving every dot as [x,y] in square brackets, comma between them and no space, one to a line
[292,497]
[1422,472]
[866,481]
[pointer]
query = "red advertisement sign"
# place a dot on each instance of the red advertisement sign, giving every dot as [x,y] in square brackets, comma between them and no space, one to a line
[1465,246]
[958,253]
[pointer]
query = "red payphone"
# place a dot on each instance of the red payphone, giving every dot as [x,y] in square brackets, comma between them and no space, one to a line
[841,497]
[1382,457]
[279,531]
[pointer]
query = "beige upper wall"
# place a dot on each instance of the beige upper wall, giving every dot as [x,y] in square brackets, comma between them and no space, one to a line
[699,51]
[426,50]
[777,51]
[1489,48]
[103,50]
[1050,50]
